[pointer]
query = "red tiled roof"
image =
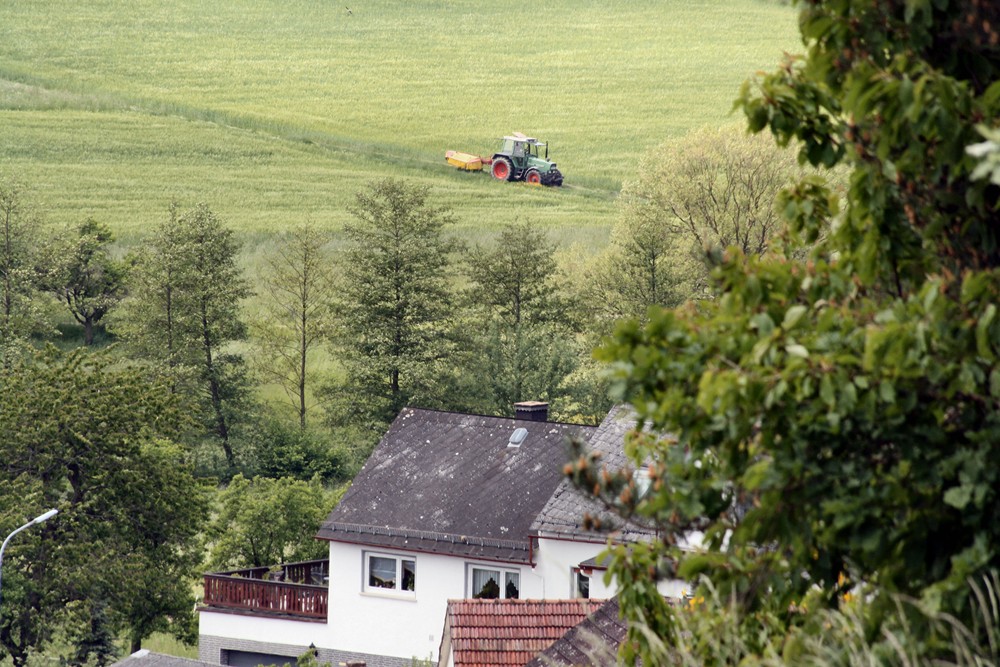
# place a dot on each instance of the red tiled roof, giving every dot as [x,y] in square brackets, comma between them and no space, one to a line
[509,633]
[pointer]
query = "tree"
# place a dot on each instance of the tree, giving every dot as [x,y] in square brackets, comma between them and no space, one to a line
[85,278]
[516,279]
[280,448]
[713,187]
[843,408]
[269,521]
[396,303]
[523,324]
[184,310]
[299,285]
[92,437]
[710,189]
[93,639]
[645,265]
[19,280]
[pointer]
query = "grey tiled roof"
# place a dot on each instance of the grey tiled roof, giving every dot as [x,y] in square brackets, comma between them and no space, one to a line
[144,658]
[444,482]
[593,642]
[564,511]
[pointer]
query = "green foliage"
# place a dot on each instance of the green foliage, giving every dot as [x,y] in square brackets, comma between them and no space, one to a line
[900,99]
[713,188]
[19,279]
[693,197]
[269,521]
[396,303]
[516,278]
[299,290]
[523,362]
[84,277]
[94,642]
[92,437]
[710,628]
[184,311]
[279,448]
[839,414]
[522,319]
[644,265]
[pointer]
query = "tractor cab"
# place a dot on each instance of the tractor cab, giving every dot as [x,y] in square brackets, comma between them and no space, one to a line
[525,158]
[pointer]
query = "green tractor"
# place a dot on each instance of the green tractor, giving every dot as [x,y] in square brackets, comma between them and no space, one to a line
[521,158]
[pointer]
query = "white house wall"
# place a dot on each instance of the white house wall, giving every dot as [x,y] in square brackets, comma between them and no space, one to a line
[258,628]
[396,625]
[556,558]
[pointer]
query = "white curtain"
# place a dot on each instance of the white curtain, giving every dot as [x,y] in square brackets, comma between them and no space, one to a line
[485,583]
[512,585]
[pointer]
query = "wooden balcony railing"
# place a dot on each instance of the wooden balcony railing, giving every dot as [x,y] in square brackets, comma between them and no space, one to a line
[297,589]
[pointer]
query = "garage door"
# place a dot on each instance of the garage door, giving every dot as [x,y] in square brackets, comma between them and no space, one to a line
[251,659]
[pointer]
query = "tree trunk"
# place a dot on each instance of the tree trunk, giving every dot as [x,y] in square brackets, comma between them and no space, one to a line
[215,391]
[303,352]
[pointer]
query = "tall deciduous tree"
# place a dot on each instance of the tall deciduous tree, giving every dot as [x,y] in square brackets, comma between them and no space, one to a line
[85,278]
[516,278]
[396,302]
[645,265]
[714,187]
[185,311]
[523,332]
[849,404]
[92,437]
[269,521]
[19,280]
[299,286]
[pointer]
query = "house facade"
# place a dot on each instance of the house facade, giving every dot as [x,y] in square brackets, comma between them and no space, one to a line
[449,506]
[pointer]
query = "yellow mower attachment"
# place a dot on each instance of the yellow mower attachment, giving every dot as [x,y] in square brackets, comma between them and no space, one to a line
[466,161]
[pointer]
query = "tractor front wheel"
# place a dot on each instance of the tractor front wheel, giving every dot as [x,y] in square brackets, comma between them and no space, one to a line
[502,169]
[533,177]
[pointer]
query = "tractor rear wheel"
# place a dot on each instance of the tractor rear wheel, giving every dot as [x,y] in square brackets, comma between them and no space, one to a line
[502,169]
[533,177]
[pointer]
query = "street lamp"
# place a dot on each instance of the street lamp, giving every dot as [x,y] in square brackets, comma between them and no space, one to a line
[38,519]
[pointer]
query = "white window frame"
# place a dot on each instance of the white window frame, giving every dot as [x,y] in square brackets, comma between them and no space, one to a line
[399,559]
[502,571]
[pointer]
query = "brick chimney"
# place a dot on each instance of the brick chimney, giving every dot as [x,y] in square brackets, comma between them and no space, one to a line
[535,411]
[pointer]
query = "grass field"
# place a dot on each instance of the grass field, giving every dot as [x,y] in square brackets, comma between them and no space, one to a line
[276,112]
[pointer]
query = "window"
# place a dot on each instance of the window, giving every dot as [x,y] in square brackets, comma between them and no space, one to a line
[581,584]
[384,572]
[488,583]
[642,482]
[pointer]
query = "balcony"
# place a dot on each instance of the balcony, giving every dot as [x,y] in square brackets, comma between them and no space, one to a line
[293,590]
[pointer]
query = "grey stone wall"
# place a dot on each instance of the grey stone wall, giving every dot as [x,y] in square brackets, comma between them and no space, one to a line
[213,649]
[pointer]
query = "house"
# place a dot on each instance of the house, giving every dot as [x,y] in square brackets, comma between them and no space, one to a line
[449,506]
[506,633]
[559,530]
[593,642]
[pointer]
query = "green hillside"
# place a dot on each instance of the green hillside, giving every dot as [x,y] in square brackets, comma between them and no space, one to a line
[278,111]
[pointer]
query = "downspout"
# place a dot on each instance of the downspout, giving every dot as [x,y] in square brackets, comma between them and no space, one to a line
[531,560]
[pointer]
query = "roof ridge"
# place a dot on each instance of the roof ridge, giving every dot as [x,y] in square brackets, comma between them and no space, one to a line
[453,538]
[497,417]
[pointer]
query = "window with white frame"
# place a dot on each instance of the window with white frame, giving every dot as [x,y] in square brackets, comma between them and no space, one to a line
[493,583]
[390,573]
